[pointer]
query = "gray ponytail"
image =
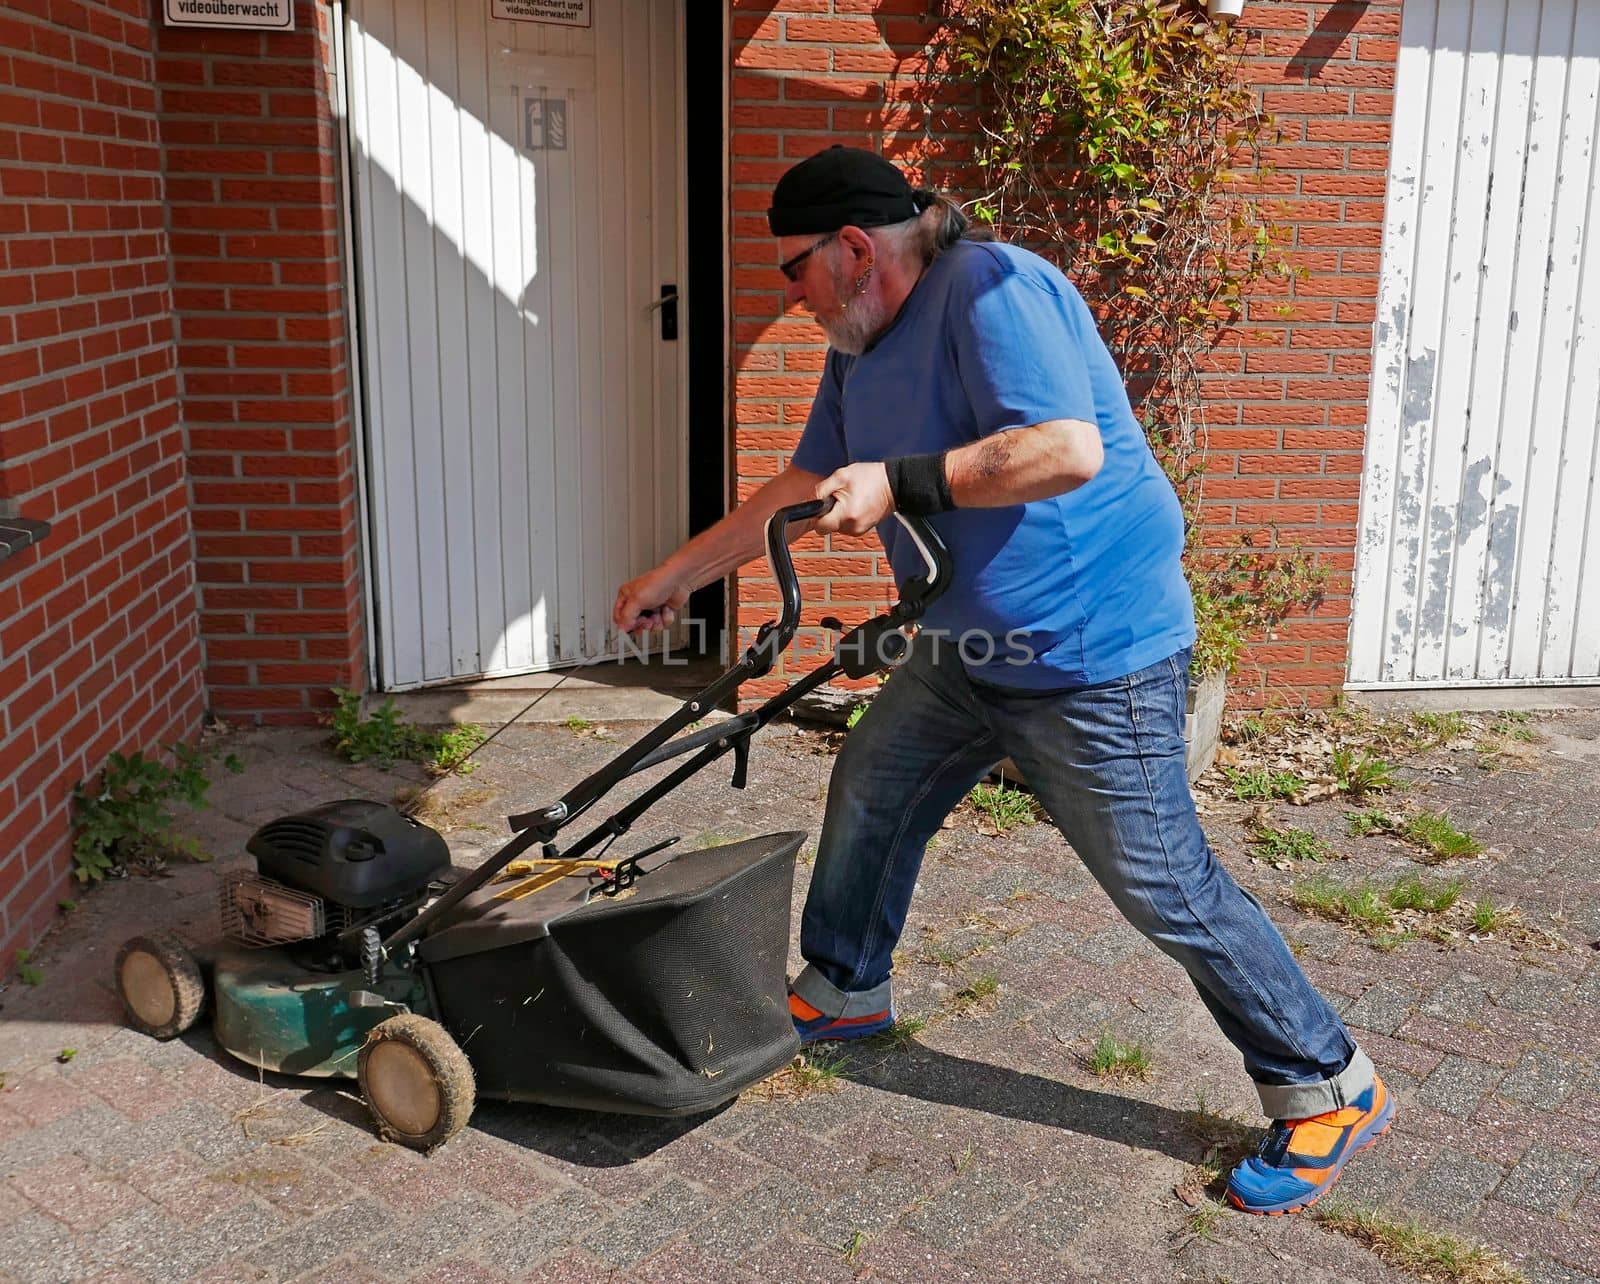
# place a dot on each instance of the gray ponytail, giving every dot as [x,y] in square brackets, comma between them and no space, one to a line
[947,222]
[938,225]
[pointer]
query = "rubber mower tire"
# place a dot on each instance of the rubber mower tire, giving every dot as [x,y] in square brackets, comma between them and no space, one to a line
[416,1081]
[160,985]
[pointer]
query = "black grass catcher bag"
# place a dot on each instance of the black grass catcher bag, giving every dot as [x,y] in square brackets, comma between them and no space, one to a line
[658,1000]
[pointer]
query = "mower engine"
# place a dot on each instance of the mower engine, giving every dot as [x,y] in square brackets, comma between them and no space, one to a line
[324,874]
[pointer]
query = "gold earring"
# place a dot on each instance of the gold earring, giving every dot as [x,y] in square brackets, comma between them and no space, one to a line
[861,281]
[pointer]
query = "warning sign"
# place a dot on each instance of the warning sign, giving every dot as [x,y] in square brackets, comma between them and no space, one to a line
[260,15]
[561,13]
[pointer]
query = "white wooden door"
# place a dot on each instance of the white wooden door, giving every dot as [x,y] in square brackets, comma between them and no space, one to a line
[518,198]
[1479,555]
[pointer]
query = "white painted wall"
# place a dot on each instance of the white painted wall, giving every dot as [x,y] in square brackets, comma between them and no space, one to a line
[1479,556]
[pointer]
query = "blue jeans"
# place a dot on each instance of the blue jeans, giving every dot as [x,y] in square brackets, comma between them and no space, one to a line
[1107,764]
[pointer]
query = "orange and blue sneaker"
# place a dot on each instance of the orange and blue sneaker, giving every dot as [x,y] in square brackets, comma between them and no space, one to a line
[1300,1159]
[814,1026]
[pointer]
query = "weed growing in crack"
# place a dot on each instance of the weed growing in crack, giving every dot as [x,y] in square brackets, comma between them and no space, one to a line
[1114,1059]
[814,1070]
[1434,833]
[1508,740]
[1429,729]
[901,1033]
[1372,909]
[1289,844]
[1256,783]
[1203,1221]
[975,992]
[1004,807]
[1412,893]
[384,737]
[1426,1253]
[1360,906]
[1487,917]
[1361,824]
[1360,776]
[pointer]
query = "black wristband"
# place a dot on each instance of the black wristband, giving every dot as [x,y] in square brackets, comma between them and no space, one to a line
[919,485]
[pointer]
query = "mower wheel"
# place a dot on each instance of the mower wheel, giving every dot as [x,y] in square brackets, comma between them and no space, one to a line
[416,1081]
[160,985]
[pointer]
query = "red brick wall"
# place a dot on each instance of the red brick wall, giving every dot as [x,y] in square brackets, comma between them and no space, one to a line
[247,133]
[1286,403]
[98,643]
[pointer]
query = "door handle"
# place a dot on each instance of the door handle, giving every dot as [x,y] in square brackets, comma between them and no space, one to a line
[668,305]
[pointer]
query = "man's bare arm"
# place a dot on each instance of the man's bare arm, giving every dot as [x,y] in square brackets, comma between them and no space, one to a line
[1024,464]
[1005,468]
[654,597]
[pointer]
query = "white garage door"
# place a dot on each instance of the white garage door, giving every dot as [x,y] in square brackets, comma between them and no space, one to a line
[1479,556]
[517,186]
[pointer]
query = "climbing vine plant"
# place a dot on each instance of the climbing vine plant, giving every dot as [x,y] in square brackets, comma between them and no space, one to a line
[1119,138]
[1112,132]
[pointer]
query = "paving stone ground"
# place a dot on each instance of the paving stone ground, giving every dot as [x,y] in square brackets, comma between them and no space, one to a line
[981,1149]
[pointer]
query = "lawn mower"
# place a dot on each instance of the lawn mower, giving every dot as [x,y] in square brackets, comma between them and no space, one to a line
[650,983]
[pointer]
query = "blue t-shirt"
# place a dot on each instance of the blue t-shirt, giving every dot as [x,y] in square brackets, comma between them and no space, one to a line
[1069,591]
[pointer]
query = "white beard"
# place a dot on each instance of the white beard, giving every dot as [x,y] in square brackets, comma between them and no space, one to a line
[859,321]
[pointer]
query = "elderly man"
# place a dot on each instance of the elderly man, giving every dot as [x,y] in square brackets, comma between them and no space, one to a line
[966,382]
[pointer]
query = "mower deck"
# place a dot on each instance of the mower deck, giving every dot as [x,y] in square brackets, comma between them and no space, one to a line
[273,1013]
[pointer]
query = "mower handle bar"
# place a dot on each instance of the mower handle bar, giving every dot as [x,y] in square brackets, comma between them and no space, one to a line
[783,565]
[540,826]
[917,595]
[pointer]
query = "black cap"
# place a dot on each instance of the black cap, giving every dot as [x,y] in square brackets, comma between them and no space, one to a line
[839,186]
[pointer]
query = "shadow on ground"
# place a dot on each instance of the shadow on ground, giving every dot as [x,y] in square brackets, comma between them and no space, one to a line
[947,1080]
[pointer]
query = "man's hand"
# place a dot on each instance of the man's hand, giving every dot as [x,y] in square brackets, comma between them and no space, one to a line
[861,499]
[652,601]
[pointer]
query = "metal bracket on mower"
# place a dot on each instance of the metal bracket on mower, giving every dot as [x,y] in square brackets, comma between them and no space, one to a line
[623,875]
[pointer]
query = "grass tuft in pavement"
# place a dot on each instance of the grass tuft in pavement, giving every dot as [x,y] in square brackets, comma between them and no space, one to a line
[1413,1247]
[1004,807]
[1363,775]
[1289,844]
[1261,783]
[974,992]
[1412,893]
[1360,906]
[1226,1140]
[1203,1221]
[1372,820]
[1488,917]
[814,1070]
[903,1032]
[1114,1059]
[1507,741]
[1372,908]
[1438,838]
[1429,729]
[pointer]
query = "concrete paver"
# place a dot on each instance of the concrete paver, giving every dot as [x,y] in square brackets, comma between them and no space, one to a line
[982,1148]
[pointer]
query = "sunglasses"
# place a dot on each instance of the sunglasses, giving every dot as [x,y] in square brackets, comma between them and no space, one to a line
[791,267]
